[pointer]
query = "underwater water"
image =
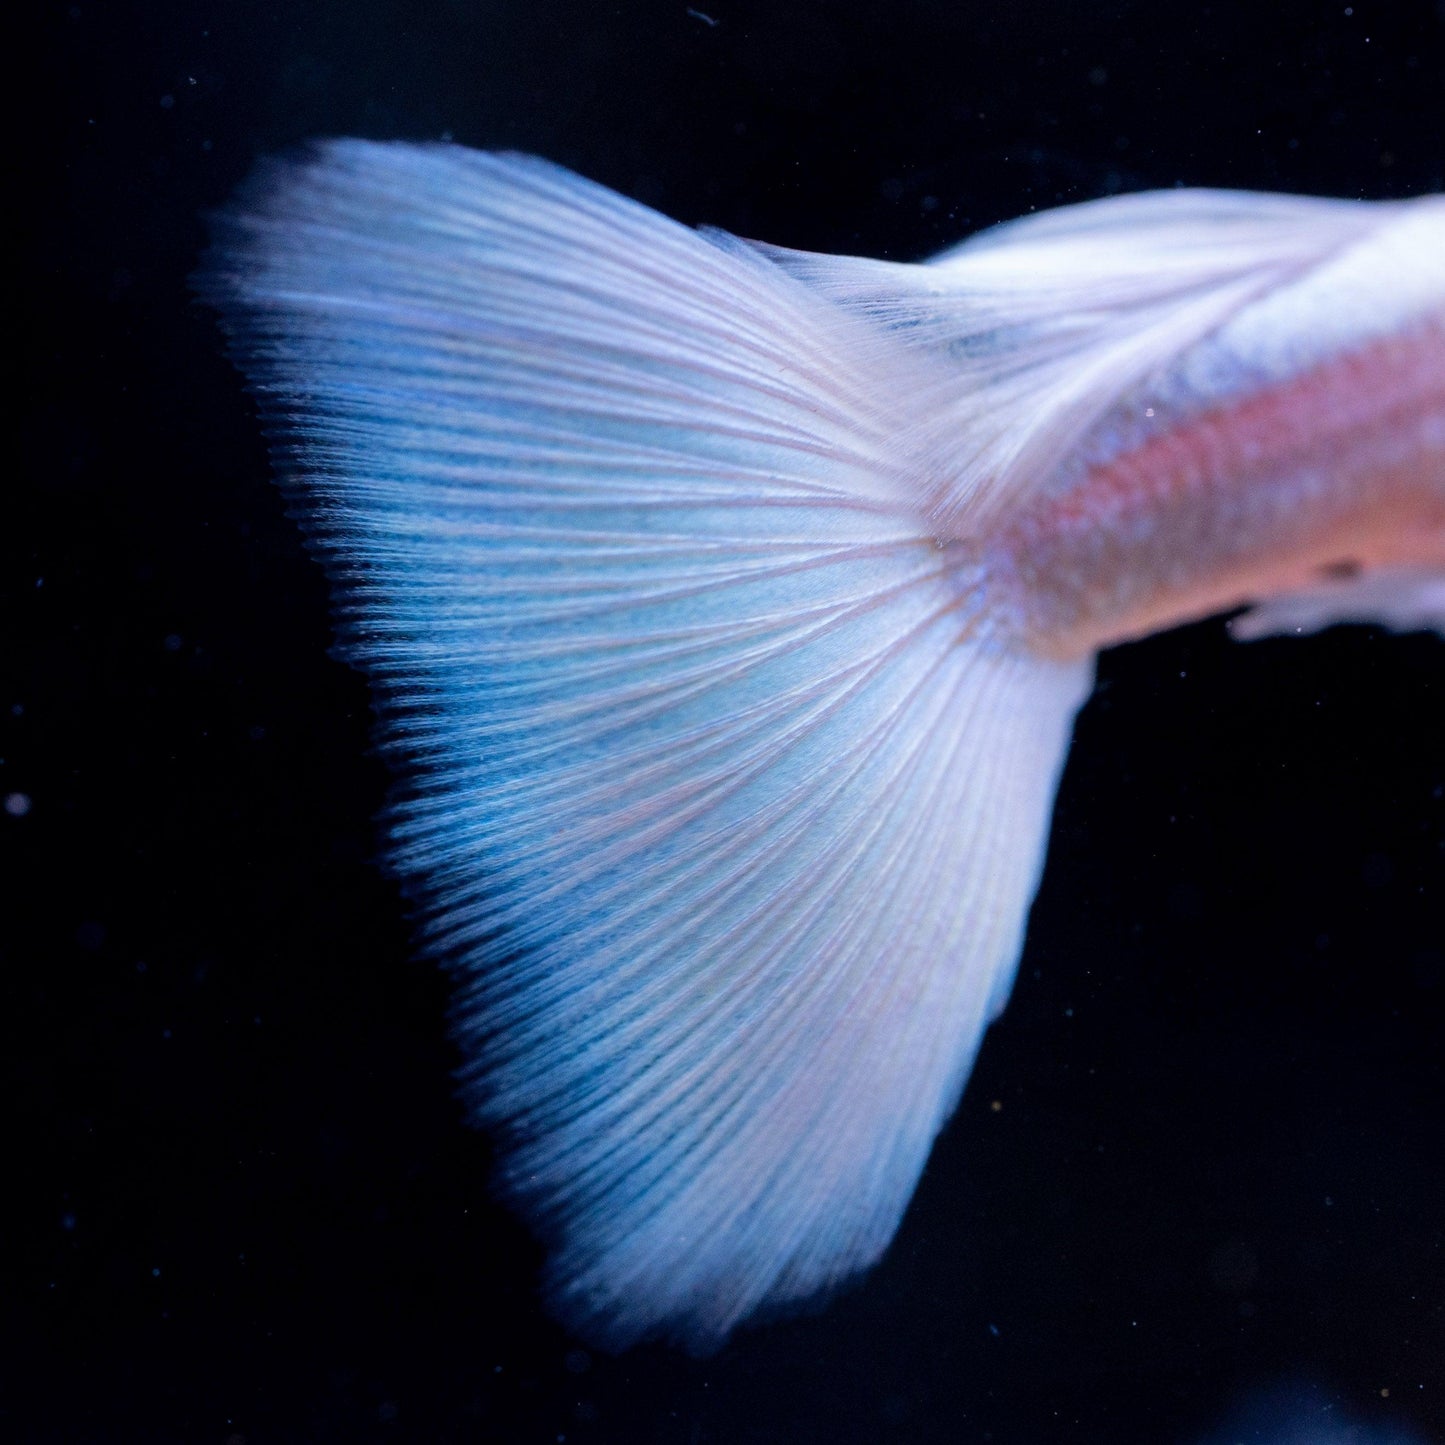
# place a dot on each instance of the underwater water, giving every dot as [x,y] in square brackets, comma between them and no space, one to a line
[1199,1160]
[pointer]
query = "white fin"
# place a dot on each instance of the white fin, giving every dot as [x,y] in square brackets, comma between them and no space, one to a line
[727,805]
[1037,327]
[1404,599]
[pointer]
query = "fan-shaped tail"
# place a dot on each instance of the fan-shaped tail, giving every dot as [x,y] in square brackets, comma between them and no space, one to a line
[727,802]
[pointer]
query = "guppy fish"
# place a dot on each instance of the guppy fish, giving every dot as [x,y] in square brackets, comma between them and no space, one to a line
[729,607]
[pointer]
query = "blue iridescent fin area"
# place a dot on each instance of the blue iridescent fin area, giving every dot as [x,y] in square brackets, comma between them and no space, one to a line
[724,802]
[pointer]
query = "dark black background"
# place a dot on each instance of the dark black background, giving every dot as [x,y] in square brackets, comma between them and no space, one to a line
[249,1209]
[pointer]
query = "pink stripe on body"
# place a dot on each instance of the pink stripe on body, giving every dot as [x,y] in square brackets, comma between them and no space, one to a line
[1340,467]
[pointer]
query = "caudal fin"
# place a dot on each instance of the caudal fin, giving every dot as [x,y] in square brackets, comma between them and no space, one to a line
[726,799]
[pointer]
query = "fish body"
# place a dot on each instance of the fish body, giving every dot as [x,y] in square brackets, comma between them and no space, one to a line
[1296,442]
[1278,453]
[728,609]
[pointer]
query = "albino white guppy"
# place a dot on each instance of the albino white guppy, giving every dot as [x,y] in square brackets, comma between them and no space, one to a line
[729,608]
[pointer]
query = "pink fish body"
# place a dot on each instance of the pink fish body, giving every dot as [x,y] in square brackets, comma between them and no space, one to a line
[1281,456]
[729,608]
[1292,446]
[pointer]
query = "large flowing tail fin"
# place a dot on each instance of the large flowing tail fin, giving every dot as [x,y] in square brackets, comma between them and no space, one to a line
[726,800]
